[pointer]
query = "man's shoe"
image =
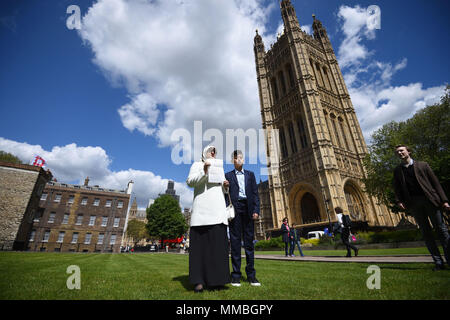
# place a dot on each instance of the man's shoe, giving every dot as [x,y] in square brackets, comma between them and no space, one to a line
[439,267]
[236,282]
[348,256]
[198,288]
[254,282]
[292,255]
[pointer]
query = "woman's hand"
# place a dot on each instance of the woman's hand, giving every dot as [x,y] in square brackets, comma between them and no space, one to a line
[205,167]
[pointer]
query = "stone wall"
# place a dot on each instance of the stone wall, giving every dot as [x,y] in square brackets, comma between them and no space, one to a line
[19,185]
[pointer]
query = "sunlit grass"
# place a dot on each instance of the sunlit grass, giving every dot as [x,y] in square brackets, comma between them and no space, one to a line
[165,277]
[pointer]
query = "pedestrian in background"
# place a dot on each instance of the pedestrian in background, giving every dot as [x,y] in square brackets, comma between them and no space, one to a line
[287,237]
[345,232]
[296,241]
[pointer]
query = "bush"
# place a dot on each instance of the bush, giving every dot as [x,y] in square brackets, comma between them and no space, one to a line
[395,236]
[314,242]
[326,240]
[274,243]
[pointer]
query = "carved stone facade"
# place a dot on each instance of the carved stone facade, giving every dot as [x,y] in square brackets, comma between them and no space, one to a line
[306,109]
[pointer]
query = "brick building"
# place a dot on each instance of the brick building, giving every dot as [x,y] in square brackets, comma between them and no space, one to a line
[21,186]
[80,218]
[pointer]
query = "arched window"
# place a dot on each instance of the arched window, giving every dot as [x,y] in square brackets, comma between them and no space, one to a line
[292,138]
[354,202]
[302,132]
[283,83]
[341,124]
[273,81]
[336,132]
[291,75]
[284,151]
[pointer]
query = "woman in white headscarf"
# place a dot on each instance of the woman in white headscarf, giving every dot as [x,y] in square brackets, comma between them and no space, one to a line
[208,250]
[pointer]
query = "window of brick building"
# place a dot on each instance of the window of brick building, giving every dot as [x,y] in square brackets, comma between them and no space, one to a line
[74,237]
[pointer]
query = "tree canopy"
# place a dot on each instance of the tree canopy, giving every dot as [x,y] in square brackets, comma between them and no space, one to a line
[136,229]
[427,133]
[9,157]
[165,219]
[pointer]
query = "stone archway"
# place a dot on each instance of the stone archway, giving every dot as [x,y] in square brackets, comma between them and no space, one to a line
[355,203]
[309,209]
[305,208]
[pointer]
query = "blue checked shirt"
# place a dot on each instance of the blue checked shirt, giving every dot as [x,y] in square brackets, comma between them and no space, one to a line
[241,181]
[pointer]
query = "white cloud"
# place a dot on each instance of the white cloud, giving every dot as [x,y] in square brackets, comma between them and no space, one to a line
[307,28]
[72,163]
[375,100]
[194,57]
[141,114]
[354,27]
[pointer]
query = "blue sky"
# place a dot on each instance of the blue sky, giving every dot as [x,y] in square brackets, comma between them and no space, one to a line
[103,101]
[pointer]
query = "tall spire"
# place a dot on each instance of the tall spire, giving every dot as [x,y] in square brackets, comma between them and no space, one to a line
[289,17]
[319,30]
[258,43]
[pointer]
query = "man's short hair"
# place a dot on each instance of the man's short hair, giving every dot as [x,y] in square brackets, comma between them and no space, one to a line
[404,146]
[236,153]
[338,210]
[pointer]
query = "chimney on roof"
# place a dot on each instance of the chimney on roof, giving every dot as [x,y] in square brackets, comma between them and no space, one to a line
[86,181]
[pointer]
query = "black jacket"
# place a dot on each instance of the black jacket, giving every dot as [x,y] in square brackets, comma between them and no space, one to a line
[427,181]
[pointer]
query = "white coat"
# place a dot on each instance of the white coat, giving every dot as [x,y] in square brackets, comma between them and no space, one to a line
[209,205]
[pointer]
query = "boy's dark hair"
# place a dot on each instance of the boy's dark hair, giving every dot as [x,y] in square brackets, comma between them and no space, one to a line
[404,146]
[338,210]
[236,153]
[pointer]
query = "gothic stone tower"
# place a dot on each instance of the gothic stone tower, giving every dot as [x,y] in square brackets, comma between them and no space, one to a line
[321,146]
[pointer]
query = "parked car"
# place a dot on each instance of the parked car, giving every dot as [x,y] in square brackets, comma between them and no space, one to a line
[315,234]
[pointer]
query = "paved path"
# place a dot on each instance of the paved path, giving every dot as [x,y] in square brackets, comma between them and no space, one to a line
[361,259]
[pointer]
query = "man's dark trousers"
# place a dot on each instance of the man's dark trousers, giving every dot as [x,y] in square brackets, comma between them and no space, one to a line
[242,224]
[345,234]
[422,209]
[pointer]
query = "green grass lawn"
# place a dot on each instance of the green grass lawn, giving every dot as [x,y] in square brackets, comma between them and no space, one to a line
[160,276]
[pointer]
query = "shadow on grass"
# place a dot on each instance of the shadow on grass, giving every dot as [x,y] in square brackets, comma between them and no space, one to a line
[401,267]
[184,280]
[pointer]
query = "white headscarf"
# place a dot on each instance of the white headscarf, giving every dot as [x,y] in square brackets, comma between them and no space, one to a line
[206,150]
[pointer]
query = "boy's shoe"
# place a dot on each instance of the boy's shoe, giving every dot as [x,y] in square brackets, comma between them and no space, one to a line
[236,282]
[254,282]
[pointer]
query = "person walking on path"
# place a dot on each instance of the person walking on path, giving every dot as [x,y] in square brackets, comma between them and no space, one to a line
[345,232]
[418,191]
[296,241]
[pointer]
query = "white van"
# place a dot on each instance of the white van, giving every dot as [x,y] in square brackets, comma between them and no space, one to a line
[315,234]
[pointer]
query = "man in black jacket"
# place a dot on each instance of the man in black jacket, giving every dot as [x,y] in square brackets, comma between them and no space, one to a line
[418,191]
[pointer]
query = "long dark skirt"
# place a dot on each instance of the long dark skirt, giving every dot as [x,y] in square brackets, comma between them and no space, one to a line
[208,255]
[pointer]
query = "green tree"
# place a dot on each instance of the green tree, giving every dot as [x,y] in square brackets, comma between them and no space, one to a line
[137,230]
[8,157]
[427,133]
[165,219]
